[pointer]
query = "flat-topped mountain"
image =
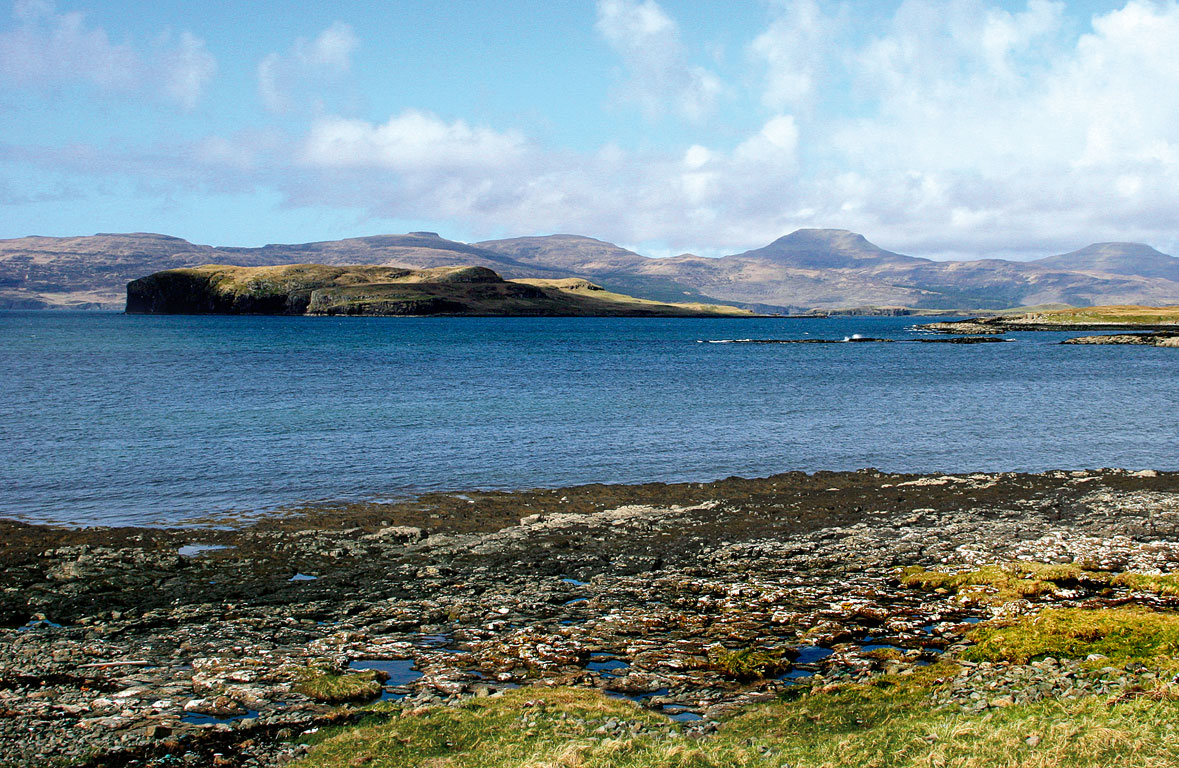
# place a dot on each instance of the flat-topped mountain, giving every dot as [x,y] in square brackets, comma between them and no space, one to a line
[826,249]
[823,269]
[572,252]
[318,289]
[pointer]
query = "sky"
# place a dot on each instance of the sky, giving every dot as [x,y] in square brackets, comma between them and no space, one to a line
[938,128]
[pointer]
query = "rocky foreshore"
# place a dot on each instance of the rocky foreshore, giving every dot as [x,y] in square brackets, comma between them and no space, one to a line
[220,645]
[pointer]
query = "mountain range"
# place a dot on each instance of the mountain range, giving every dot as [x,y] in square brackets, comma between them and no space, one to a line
[810,269]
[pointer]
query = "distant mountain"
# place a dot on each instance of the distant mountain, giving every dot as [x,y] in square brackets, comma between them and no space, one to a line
[825,249]
[1117,259]
[807,269]
[572,252]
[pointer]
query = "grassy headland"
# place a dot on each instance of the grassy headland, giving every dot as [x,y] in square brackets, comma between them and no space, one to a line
[1103,318]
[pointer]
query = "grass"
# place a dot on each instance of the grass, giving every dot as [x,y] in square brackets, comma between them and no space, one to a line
[335,688]
[585,290]
[1143,582]
[996,584]
[1129,314]
[881,725]
[1120,634]
[747,663]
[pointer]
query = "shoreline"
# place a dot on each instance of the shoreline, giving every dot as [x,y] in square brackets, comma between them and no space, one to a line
[116,642]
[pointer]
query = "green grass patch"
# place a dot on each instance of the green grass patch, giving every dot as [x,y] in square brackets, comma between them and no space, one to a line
[1121,634]
[333,688]
[1129,314]
[747,663]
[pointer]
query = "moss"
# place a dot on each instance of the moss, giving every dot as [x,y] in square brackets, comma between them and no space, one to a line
[994,584]
[335,688]
[1120,634]
[885,654]
[747,663]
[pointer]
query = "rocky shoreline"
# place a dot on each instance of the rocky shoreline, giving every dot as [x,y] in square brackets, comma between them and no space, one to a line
[221,645]
[1141,339]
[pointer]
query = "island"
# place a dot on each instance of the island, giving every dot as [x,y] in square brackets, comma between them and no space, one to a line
[317,289]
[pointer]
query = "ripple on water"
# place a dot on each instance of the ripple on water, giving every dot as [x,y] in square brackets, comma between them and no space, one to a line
[194,550]
[812,654]
[192,718]
[401,672]
[608,668]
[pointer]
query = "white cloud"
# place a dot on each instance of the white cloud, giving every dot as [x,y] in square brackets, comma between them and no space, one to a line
[331,49]
[289,79]
[996,127]
[410,142]
[188,70]
[795,49]
[46,48]
[658,73]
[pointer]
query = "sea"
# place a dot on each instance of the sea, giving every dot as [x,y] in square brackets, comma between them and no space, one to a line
[113,419]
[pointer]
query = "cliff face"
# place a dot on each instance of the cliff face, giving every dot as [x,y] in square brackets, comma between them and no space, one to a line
[317,289]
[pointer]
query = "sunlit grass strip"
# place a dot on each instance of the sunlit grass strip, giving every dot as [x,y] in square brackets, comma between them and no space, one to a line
[883,725]
[1120,634]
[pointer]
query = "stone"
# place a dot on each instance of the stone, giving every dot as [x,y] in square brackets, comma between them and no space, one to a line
[154,732]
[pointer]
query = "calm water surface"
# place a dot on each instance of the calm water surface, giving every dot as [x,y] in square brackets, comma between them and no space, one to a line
[107,418]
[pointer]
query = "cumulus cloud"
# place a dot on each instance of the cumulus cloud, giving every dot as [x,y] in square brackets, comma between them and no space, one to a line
[287,79]
[46,47]
[412,141]
[658,73]
[188,69]
[974,128]
[990,123]
[795,49]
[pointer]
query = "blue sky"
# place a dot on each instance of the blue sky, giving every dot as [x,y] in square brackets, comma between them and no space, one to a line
[949,129]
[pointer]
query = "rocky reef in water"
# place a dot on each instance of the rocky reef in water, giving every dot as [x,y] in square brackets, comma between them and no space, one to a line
[1141,339]
[135,646]
[315,289]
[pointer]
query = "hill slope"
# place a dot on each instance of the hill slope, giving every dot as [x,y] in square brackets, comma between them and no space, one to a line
[1117,259]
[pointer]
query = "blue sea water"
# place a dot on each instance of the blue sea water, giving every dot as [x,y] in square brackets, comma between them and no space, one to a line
[112,419]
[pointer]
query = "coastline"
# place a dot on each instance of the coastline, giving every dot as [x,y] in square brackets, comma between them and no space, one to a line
[119,648]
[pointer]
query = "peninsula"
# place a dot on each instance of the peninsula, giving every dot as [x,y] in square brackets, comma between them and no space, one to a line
[1150,326]
[316,289]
